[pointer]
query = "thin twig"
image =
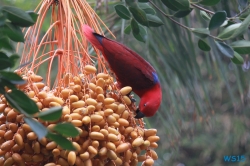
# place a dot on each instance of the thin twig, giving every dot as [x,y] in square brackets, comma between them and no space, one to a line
[201,8]
[237,15]
[231,18]
[181,25]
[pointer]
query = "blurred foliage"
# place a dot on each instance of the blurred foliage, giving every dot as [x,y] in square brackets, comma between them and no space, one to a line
[204,114]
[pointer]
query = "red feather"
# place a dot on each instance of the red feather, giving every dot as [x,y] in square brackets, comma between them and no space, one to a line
[129,67]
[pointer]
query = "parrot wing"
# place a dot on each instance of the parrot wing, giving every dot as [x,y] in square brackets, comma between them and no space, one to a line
[129,68]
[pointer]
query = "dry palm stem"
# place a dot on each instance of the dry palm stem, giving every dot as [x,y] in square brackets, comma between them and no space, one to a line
[109,135]
[63,41]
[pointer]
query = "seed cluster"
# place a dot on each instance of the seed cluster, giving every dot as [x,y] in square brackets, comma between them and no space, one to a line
[109,135]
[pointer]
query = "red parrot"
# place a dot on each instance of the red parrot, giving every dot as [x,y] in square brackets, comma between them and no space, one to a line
[130,70]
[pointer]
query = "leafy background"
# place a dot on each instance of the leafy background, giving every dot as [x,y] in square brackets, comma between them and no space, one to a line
[205,110]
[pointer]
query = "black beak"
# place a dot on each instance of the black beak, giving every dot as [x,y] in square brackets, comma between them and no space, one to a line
[139,114]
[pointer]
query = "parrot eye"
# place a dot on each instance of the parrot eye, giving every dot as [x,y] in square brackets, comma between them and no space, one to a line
[144,105]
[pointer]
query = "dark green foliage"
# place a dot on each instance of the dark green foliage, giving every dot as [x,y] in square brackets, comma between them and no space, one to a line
[21,102]
[139,15]
[146,8]
[200,32]
[37,127]
[181,4]
[169,4]
[53,114]
[204,15]
[203,45]
[61,140]
[217,20]
[66,129]
[241,46]
[225,49]
[153,20]
[122,11]
[209,2]
[182,13]
[17,16]
[237,59]
[142,15]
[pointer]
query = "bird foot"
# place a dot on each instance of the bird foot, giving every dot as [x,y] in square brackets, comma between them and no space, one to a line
[131,97]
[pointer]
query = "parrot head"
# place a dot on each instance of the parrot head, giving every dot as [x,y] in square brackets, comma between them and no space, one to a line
[150,102]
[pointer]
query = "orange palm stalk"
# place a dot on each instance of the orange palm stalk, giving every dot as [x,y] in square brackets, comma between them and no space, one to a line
[63,41]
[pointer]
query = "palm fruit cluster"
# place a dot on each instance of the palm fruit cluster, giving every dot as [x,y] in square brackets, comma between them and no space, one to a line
[103,115]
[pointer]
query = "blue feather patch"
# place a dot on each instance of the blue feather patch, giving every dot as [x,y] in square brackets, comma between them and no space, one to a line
[98,37]
[155,76]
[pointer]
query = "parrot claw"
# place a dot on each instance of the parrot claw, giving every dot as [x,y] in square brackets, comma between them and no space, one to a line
[133,100]
[139,114]
[131,96]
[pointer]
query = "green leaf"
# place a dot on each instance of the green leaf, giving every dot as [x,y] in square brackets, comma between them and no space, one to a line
[181,4]
[203,45]
[5,43]
[52,114]
[241,46]
[224,23]
[182,13]
[4,61]
[123,12]
[33,15]
[154,21]
[235,30]
[127,30]
[146,8]
[225,49]
[5,83]
[209,2]
[18,16]
[131,3]
[2,20]
[143,1]
[66,129]
[12,77]
[217,20]
[21,102]
[243,27]
[200,32]
[169,4]
[237,59]
[139,15]
[61,141]
[243,16]
[13,59]
[37,127]
[13,32]
[228,31]
[135,27]
[204,15]
[141,36]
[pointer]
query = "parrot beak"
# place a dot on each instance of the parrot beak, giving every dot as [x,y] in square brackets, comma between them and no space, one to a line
[139,114]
